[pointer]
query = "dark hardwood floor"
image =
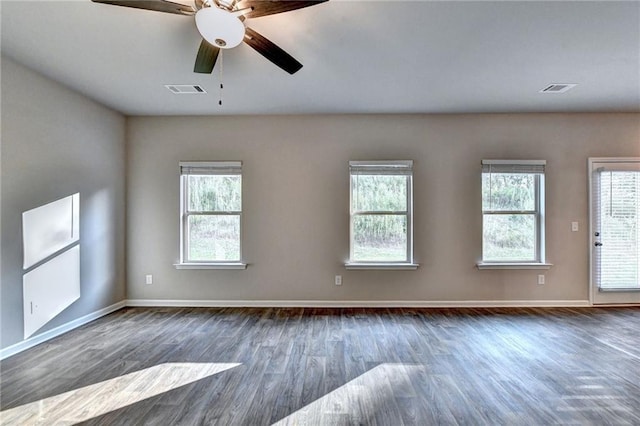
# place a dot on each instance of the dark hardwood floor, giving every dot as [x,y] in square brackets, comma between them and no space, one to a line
[232,366]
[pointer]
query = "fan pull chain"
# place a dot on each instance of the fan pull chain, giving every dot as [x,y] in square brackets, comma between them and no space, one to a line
[221,75]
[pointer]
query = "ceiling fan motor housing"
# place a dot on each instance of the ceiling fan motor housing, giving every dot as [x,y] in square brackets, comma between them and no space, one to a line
[219,27]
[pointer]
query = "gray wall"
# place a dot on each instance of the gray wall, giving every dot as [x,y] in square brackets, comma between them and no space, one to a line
[56,143]
[296,193]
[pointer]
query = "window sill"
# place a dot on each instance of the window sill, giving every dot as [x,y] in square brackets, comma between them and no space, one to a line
[231,265]
[498,265]
[382,266]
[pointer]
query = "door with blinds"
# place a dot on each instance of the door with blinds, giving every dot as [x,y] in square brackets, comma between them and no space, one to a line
[615,230]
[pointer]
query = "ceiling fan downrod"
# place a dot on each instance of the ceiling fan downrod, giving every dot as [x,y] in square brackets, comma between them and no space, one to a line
[228,5]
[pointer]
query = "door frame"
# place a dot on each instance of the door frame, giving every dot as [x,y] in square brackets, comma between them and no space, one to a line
[590,162]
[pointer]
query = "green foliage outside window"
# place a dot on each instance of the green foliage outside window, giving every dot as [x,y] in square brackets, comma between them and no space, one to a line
[379,237]
[214,237]
[215,193]
[509,236]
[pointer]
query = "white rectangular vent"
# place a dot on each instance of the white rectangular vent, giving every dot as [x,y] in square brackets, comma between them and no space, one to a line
[185,89]
[558,88]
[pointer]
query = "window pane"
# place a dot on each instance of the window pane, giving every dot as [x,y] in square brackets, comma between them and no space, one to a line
[379,193]
[380,238]
[214,238]
[508,191]
[509,237]
[214,193]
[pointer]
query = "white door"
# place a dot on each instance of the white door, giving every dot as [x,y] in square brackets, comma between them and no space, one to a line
[615,230]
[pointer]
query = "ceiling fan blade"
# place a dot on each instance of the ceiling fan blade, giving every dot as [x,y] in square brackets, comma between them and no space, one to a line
[270,7]
[270,51]
[206,59]
[157,5]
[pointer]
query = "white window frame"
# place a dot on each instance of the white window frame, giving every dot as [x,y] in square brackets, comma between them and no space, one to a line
[389,168]
[537,168]
[205,168]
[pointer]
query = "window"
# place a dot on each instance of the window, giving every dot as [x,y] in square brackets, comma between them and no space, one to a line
[381,214]
[513,212]
[211,212]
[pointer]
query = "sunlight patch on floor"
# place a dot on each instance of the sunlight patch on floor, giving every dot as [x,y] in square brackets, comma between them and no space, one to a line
[94,400]
[357,401]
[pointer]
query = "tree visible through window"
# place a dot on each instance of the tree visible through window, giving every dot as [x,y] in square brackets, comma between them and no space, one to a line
[381,212]
[513,211]
[211,212]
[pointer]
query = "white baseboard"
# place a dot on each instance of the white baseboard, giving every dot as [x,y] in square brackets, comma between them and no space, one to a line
[48,335]
[355,303]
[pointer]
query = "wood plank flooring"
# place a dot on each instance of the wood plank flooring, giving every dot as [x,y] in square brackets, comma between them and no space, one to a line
[235,366]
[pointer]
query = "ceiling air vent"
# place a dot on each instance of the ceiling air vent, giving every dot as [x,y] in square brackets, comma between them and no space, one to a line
[185,89]
[558,88]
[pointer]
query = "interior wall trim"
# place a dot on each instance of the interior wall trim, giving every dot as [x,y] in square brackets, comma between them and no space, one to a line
[61,329]
[357,303]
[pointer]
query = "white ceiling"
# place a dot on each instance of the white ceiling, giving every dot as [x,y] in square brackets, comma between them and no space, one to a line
[358,56]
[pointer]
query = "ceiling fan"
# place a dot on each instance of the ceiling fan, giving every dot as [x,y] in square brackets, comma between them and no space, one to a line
[221,25]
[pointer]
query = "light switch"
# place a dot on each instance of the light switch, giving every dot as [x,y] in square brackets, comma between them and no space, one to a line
[574,226]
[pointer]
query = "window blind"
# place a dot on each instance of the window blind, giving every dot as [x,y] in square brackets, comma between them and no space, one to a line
[211,168]
[513,166]
[617,265]
[400,167]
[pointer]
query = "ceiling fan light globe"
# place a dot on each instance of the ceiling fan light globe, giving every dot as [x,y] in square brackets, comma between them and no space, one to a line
[219,27]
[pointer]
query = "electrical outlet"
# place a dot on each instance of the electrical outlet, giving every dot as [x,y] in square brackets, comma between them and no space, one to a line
[541,279]
[338,279]
[574,226]
[148,279]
